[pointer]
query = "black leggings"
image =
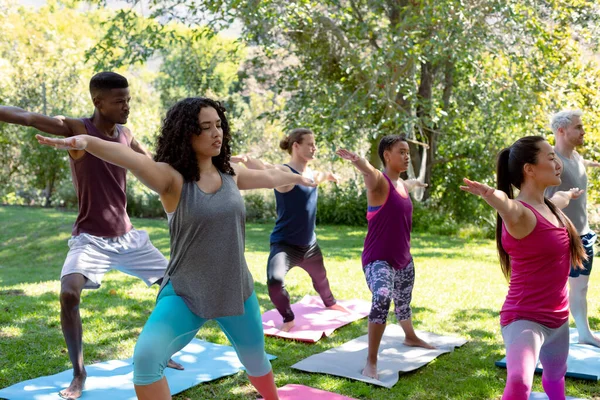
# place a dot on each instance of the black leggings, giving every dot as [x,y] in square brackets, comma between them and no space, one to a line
[284,257]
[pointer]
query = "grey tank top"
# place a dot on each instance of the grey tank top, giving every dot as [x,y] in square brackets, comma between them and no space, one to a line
[207,267]
[574,175]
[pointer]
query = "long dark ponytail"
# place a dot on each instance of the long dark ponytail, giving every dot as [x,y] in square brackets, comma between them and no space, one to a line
[509,173]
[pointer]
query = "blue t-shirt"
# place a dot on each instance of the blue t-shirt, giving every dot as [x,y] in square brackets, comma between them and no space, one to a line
[296,215]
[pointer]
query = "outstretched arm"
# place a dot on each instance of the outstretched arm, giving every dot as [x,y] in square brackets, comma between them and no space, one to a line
[590,163]
[60,125]
[251,163]
[157,176]
[519,222]
[268,179]
[412,184]
[373,178]
[562,198]
[321,177]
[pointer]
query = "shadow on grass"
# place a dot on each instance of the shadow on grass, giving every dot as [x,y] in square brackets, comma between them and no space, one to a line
[32,343]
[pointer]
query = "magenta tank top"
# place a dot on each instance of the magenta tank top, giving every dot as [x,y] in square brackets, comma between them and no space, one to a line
[388,233]
[100,188]
[540,264]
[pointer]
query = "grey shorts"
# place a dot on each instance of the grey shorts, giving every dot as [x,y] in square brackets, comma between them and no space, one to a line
[132,253]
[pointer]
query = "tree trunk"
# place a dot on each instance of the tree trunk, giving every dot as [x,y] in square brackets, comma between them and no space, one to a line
[49,190]
[424,96]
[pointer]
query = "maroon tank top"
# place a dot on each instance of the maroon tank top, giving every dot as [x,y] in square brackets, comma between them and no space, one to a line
[388,231]
[100,188]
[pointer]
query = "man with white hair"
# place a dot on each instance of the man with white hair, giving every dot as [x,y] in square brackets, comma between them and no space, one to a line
[569,134]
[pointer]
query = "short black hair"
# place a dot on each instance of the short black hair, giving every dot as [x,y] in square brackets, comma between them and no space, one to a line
[387,142]
[107,81]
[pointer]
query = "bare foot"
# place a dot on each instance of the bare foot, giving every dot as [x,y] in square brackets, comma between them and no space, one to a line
[74,390]
[339,307]
[370,370]
[174,365]
[416,342]
[591,340]
[287,326]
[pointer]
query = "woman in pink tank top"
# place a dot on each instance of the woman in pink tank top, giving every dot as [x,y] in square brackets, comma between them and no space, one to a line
[536,244]
[386,259]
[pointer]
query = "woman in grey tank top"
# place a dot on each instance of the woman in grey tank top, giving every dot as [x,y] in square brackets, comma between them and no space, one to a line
[207,276]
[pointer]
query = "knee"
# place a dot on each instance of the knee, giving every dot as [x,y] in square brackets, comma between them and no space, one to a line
[382,297]
[517,382]
[148,362]
[255,361]
[379,309]
[69,297]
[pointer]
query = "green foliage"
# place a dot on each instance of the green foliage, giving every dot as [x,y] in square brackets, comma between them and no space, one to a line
[468,78]
[260,207]
[342,204]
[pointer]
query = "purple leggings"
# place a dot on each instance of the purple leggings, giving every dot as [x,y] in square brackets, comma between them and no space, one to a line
[525,341]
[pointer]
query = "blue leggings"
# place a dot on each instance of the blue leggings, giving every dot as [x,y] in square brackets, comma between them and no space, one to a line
[172,326]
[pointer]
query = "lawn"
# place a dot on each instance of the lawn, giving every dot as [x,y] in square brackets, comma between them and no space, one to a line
[459,290]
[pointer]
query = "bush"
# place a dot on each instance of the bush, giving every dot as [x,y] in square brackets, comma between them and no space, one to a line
[260,206]
[342,204]
[141,201]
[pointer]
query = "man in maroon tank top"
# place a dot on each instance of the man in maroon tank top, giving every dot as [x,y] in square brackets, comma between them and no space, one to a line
[103,237]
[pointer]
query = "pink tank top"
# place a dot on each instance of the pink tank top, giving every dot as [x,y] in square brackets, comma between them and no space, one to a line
[388,232]
[540,264]
[100,188]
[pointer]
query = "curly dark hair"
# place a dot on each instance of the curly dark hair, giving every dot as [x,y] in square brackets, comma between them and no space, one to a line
[174,145]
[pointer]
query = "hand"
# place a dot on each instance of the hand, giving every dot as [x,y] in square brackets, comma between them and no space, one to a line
[419,184]
[347,155]
[306,182]
[333,177]
[575,193]
[240,158]
[72,143]
[476,188]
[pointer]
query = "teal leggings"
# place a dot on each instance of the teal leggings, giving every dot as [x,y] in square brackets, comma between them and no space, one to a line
[172,326]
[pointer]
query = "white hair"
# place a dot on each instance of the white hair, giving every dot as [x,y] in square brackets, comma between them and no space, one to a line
[563,119]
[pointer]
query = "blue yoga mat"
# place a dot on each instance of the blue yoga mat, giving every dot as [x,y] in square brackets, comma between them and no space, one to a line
[542,396]
[583,361]
[203,362]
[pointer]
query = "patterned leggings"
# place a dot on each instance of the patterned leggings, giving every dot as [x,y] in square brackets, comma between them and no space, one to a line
[387,284]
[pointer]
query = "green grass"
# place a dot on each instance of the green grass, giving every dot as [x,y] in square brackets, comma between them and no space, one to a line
[459,290]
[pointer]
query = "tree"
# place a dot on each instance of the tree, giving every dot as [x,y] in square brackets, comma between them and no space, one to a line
[466,77]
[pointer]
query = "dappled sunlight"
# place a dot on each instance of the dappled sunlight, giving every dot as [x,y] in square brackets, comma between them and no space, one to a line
[459,290]
[9,332]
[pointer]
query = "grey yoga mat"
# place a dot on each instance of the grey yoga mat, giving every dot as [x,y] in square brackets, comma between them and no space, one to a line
[348,359]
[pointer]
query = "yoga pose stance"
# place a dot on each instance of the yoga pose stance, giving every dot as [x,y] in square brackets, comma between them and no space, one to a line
[537,244]
[207,277]
[386,259]
[103,237]
[293,240]
[569,134]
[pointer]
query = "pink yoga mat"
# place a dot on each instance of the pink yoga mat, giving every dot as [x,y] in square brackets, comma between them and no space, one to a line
[313,320]
[299,392]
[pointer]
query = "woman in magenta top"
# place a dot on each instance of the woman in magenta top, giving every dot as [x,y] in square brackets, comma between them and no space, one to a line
[536,244]
[386,258]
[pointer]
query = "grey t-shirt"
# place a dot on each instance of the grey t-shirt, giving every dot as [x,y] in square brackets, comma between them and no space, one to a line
[207,267]
[574,175]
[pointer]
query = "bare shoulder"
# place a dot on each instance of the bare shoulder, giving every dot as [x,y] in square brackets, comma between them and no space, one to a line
[283,168]
[75,125]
